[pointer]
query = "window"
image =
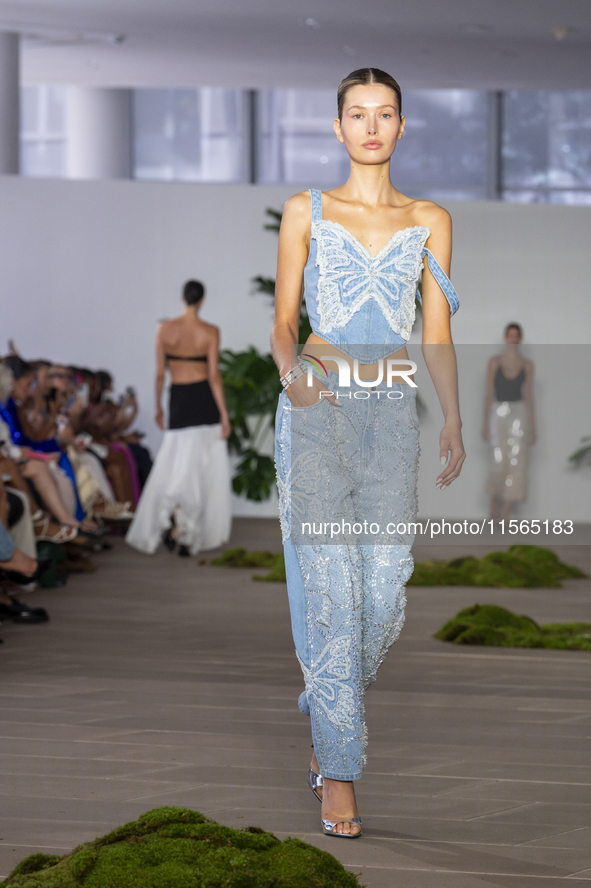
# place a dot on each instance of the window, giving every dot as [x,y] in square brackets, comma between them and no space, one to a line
[191,135]
[43,131]
[295,139]
[459,144]
[443,152]
[547,146]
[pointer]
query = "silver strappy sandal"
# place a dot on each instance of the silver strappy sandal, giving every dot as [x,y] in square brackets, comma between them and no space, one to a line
[329,825]
[314,782]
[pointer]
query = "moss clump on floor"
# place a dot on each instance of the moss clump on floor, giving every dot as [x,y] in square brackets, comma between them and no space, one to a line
[180,848]
[520,567]
[277,572]
[489,624]
[240,557]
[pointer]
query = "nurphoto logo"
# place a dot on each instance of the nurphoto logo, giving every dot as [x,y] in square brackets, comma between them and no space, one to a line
[390,372]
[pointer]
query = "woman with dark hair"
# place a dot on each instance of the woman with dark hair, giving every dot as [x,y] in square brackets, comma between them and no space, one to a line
[509,424]
[41,439]
[356,254]
[187,494]
[103,420]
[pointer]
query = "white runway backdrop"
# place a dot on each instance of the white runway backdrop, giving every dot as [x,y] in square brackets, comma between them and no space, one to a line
[88,268]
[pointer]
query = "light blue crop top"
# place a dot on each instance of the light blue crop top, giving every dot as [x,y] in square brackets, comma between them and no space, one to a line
[363,304]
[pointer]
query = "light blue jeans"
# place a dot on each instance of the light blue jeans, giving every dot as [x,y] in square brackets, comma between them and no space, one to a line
[338,467]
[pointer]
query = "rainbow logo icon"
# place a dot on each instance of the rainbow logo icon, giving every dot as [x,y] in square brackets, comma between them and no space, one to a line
[316,363]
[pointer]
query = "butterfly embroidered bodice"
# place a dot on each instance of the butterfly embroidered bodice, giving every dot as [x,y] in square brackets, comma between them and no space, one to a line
[363,304]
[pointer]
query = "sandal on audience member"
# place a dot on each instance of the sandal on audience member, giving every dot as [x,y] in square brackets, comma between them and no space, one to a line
[41,526]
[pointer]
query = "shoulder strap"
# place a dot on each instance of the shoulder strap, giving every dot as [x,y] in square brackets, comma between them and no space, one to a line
[316,198]
[443,281]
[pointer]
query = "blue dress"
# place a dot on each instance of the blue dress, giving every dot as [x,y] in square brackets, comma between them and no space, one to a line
[9,414]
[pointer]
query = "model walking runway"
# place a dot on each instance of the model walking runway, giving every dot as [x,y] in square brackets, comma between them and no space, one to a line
[347,443]
[187,494]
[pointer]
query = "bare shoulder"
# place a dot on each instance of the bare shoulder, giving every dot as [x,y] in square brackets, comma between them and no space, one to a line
[432,215]
[297,211]
[211,328]
[211,331]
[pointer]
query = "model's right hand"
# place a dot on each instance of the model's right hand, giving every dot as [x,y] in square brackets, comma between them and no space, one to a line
[302,395]
[159,417]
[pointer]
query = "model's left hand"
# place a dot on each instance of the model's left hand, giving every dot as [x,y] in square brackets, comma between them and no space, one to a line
[226,427]
[450,444]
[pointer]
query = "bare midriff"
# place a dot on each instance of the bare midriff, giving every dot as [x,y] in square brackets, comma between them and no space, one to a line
[318,347]
[184,372]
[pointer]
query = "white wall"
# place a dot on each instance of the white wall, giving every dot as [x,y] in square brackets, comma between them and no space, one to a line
[88,268]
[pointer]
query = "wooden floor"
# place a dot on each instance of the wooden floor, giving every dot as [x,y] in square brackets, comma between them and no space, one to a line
[161,681]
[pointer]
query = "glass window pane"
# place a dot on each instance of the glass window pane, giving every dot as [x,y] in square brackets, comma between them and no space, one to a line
[569,130]
[444,150]
[296,141]
[194,135]
[525,139]
[525,195]
[571,198]
[43,131]
[547,143]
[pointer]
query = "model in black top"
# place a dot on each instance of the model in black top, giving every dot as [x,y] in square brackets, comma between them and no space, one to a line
[508,423]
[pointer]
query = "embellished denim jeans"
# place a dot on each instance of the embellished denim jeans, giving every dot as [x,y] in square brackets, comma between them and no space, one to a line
[338,467]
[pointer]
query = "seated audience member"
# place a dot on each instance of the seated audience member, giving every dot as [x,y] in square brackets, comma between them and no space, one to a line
[40,434]
[103,420]
[141,454]
[36,446]
[52,478]
[12,559]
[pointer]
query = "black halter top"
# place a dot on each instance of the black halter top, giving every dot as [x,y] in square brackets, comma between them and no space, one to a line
[509,389]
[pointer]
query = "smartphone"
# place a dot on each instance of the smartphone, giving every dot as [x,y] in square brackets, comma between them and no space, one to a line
[62,422]
[82,394]
[130,391]
[83,440]
[107,396]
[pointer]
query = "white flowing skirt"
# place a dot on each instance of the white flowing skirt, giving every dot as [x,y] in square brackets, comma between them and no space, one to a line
[190,479]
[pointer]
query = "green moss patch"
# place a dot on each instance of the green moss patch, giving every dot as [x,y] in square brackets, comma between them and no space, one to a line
[520,567]
[489,624]
[240,557]
[180,848]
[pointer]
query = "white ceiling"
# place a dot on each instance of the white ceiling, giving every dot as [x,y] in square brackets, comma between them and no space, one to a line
[261,43]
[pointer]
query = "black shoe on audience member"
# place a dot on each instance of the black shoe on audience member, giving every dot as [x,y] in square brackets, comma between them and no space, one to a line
[22,613]
[23,579]
[169,541]
[184,552]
